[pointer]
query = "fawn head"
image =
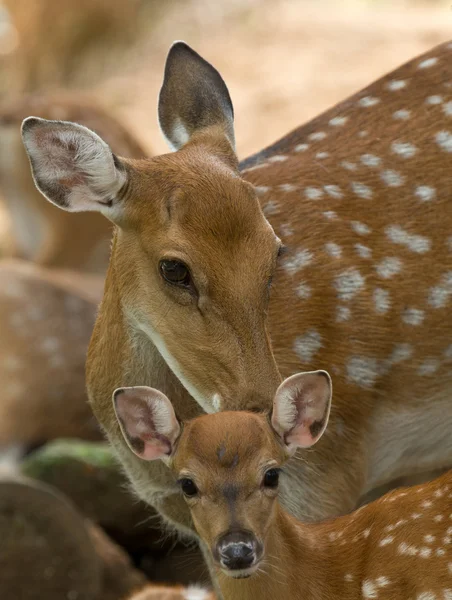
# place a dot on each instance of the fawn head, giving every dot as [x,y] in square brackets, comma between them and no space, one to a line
[227,464]
[193,253]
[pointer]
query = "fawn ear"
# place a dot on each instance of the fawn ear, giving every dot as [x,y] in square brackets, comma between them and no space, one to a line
[301,409]
[147,421]
[72,166]
[193,98]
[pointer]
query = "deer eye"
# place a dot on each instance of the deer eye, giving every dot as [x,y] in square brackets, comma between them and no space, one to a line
[188,487]
[271,478]
[175,272]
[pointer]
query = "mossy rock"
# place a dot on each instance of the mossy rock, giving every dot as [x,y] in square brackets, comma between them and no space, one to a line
[89,474]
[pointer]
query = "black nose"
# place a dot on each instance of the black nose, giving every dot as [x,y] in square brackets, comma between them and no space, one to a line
[237,550]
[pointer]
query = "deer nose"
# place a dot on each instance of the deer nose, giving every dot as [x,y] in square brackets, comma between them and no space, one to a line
[237,551]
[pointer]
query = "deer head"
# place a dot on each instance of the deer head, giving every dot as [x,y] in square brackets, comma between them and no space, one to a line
[228,464]
[193,254]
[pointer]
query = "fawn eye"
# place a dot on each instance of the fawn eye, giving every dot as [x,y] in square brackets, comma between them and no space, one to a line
[271,478]
[188,487]
[175,272]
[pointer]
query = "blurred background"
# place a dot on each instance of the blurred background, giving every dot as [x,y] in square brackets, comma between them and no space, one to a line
[69,528]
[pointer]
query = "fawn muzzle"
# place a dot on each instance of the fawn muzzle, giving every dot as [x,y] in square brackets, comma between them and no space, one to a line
[237,552]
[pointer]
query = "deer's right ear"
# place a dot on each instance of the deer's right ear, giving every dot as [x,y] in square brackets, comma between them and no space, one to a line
[301,409]
[147,421]
[72,166]
[193,98]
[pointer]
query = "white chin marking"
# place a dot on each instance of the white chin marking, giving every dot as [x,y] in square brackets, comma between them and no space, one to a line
[241,573]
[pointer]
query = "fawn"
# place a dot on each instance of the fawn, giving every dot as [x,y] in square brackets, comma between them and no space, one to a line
[348,215]
[228,468]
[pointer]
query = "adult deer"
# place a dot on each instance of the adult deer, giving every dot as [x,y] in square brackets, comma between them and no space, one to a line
[46,319]
[41,232]
[361,198]
[228,465]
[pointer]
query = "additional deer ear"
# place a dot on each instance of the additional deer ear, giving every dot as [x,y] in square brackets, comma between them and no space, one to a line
[147,421]
[193,97]
[72,166]
[301,409]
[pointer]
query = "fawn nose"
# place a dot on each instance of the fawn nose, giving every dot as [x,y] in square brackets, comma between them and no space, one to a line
[237,551]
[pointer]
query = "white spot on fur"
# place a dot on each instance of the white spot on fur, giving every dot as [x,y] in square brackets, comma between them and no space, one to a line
[330,215]
[334,191]
[395,85]
[447,109]
[427,504]
[348,165]
[363,371]
[426,596]
[392,178]
[370,160]
[413,316]
[444,140]
[405,548]
[389,267]
[368,101]
[387,540]
[440,552]
[402,115]
[360,228]
[322,155]
[343,314]
[261,190]
[301,147]
[286,230]
[304,290]
[306,346]
[381,300]
[401,352]
[363,251]
[338,121]
[438,518]
[277,158]
[425,193]
[50,344]
[361,190]
[271,208]
[287,187]
[369,589]
[298,261]
[425,552]
[438,296]
[348,577]
[435,99]
[313,193]
[349,283]
[403,149]
[429,539]
[362,134]
[333,249]
[317,136]
[416,243]
[427,63]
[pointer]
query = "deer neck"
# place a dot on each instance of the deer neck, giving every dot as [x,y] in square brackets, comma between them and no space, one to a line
[291,555]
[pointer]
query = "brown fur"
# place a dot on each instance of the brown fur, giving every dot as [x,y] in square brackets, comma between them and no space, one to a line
[342,558]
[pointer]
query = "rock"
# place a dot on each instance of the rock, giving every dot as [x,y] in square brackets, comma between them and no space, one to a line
[45,551]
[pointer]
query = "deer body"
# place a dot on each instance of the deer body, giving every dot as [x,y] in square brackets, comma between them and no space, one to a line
[228,467]
[361,199]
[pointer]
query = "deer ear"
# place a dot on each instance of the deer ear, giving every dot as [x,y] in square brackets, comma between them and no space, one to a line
[147,421]
[72,166]
[193,97]
[301,409]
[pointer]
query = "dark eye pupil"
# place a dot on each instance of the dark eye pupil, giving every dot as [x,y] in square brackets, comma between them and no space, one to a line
[188,487]
[271,478]
[175,272]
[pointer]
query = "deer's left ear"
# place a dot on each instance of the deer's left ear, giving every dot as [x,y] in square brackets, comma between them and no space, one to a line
[147,421]
[301,409]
